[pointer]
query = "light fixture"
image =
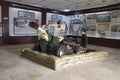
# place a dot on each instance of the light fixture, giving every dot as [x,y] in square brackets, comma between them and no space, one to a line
[66,10]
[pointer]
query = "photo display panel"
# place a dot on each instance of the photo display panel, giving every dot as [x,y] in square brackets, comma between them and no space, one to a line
[19,22]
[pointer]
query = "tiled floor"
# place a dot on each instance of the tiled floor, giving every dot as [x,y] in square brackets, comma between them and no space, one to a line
[15,67]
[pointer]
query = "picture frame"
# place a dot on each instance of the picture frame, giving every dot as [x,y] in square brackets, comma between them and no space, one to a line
[26,14]
[114,28]
[21,26]
[115,14]
[91,28]
[104,17]
[92,16]
[118,28]
[56,18]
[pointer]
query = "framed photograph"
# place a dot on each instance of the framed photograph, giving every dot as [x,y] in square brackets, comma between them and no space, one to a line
[74,29]
[26,14]
[118,28]
[56,18]
[104,17]
[50,22]
[91,28]
[115,14]
[114,28]
[21,26]
[92,16]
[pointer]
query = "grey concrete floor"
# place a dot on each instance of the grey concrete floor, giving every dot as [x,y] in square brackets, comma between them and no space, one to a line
[15,67]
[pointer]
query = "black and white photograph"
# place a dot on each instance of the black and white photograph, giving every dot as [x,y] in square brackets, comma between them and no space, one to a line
[92,16]
[26,14]
[114,28]
[56,18]
[91,28]
[74,29]
[52,29]
[118,28]
[104,17]
[21,26]
[115,14]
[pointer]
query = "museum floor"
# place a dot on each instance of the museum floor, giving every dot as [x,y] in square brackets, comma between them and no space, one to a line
[15,67]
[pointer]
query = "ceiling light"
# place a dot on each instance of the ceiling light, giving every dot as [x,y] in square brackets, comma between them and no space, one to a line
[66,10]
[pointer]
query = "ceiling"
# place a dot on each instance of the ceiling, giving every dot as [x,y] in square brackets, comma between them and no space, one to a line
[73,5]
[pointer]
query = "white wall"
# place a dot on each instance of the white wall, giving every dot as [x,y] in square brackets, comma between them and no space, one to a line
[13,12]
[0,21]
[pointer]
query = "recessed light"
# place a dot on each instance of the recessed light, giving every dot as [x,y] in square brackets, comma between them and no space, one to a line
[66,10]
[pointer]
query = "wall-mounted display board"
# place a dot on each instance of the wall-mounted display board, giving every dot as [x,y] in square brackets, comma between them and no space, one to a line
[19,22]
[0,22]
[57,29]
[101,24]
[115,24]
[26,14]
[75,26]
[21,26]
[91,16]
[52,17]
[116,14]
[76,23]
[91,26]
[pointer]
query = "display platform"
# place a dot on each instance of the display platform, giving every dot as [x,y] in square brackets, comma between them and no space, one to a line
[64,61]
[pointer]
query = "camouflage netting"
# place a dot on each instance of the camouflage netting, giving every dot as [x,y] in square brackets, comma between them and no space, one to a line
[57,63]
